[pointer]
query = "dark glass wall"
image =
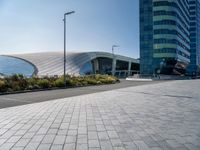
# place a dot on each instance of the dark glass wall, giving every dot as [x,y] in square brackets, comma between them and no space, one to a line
[194,37]
[105,65]
[121,65]
[146,36]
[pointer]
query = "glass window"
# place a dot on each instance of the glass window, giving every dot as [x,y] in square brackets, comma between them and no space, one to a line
[86,69]
[11,65]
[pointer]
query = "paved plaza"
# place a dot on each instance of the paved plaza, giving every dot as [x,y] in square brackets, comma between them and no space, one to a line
[163,116]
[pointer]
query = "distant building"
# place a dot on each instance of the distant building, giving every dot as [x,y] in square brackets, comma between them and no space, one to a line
[169,39]
[51,63]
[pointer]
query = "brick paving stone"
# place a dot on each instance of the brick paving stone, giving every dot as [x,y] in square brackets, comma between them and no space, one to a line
[37,138]
[82,147]
[94,143]
[2,131]
[6,146]
[48,139]
[70,146]
[92,128]
[17,148]
[2,141]
[103,135]
[70,139]
[62,132]
[32,146]
[82,130]
[116,142]
[124,137]
[174,143]
[130,146]
[21,132]
[156,148]
[119,148]
[59,139]
[42,131]
[113,134]
[64,126]
[92,148]
[92,135]
[72,132]
[109,128]
[44,146]
[52,131]
[106,145]
[14,139]
[28,135]
[164,145]
[150,142]
[22,142]
[82,139]
[56,147]
[141,145]
[192,147]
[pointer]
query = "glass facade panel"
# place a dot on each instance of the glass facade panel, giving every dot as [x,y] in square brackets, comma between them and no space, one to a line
[146,36]
[11,65]
[86,69]
[194,66]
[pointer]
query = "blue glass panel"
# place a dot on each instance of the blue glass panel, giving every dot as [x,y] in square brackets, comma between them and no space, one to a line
[11,65]
[86,69]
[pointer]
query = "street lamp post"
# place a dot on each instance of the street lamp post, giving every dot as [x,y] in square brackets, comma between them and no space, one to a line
[68,13]
[113,63]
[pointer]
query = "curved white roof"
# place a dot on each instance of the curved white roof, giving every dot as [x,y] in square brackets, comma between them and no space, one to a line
[51,63]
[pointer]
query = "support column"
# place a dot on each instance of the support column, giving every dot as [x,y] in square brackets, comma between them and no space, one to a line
[129,68]
[114,65]
[96,65]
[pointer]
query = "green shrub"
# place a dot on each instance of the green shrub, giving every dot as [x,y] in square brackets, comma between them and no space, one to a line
[91,81]
[59,82]
[9,90]
[19,82]
[43,83]
[72,82]
[84,83]
[16,87]
[36,86]
[2,86]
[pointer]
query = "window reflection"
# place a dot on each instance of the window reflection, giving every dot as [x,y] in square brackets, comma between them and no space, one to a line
[11,65]
[86,69]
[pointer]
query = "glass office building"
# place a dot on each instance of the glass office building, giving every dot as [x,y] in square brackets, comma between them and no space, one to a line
[194,66]
[165,36]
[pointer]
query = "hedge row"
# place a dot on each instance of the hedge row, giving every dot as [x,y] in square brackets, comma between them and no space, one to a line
[22,83]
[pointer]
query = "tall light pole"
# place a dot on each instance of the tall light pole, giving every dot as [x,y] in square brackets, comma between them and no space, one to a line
[68,13]
[113,62]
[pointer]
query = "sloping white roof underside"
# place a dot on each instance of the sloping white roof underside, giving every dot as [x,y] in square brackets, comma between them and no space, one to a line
[51,63]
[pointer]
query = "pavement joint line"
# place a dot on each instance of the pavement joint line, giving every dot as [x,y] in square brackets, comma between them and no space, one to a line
[175,96]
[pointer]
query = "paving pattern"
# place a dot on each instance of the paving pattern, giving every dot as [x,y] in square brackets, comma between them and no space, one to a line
[164,116]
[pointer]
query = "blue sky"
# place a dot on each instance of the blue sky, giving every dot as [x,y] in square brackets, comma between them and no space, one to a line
[36,26]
